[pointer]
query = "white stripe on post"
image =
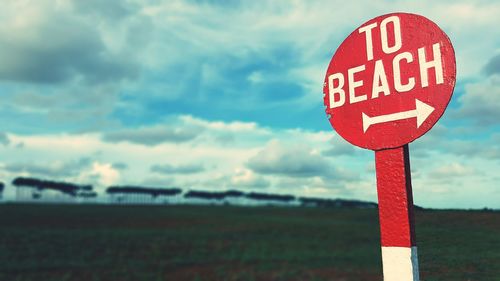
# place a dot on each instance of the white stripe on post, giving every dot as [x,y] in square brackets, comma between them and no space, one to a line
[400,263]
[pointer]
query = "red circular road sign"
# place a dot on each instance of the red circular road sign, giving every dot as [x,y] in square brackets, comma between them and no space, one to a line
[390,81]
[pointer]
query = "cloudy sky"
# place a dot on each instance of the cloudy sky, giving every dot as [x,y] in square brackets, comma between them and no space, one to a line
[228,94]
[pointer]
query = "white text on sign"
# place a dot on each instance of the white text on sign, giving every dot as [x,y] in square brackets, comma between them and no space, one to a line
[337,86]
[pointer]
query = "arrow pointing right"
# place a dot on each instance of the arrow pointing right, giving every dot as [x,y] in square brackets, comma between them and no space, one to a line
[422,111]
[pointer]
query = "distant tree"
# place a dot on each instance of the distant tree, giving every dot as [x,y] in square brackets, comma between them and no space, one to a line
[133,191]
[38,185]
[270,197]
[217,197]
[234,193]
[2,186]
[207,195]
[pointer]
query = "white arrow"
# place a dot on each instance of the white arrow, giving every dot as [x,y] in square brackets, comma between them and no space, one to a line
[421,111]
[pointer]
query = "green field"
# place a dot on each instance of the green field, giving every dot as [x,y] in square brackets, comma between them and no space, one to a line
[91,242]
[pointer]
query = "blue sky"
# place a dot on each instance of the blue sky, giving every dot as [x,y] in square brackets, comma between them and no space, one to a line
[228,94]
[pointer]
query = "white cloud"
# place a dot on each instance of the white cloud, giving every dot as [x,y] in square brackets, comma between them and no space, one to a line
[451,171]
[101,173]
[168,169]
[186,128]
[55,168]
[481,102]
[246,178]
[340,147]
[4,138]
[33,50]
[493,65]
[278,158]
[296,160]
[152,135]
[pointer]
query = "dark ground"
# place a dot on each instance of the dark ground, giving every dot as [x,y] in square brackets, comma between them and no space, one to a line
[90,242]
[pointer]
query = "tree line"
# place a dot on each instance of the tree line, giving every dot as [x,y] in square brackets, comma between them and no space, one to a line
[86,191]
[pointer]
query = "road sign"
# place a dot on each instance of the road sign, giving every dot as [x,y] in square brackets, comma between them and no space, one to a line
[389,81]
[387,84]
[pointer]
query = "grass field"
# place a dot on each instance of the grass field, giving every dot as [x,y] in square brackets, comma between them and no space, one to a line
[91,242]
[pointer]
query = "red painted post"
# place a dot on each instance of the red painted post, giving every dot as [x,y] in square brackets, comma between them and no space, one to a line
[397,226]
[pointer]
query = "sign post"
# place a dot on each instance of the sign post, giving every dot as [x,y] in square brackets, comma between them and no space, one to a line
[387,84]
[397,226]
